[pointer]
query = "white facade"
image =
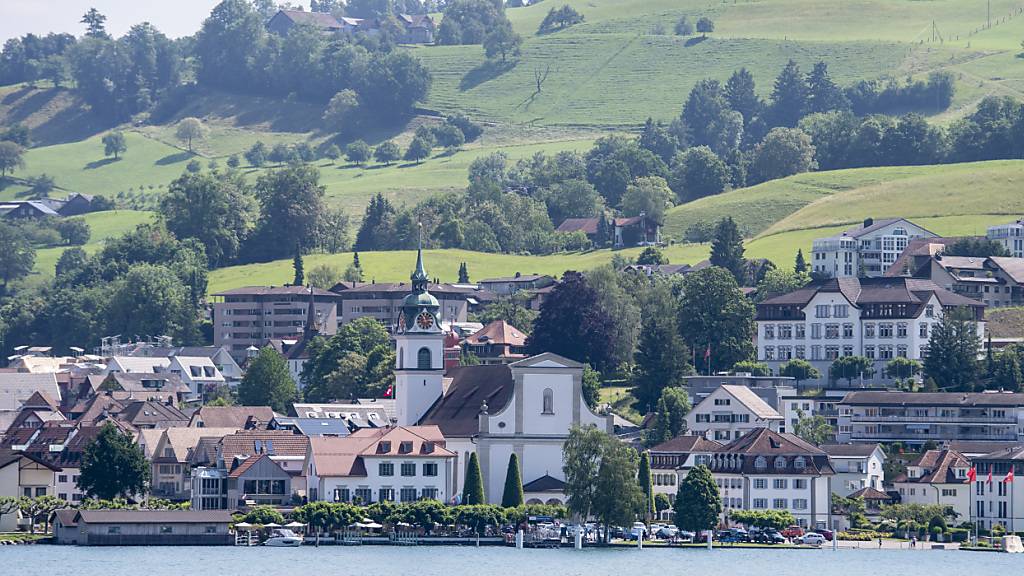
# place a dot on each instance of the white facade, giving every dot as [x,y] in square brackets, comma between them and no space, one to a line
[868,250]
[387,478]
[1011,236]
[419,374]
[937,477]
[998,502]
[730,412]
[197,372]
[854,472]
[808,498]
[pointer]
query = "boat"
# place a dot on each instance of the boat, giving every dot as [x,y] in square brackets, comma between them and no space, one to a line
[283,537]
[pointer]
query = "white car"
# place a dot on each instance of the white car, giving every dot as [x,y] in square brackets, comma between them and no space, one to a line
[813,539]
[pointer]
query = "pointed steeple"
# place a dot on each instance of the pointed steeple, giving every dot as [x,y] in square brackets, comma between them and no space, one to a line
[419,276]
[312,322]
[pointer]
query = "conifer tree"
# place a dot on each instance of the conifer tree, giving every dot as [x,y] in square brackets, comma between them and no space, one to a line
[463,274]
[644,478]
[727,249]
[300,275]
[800,267]
[513,495]
[473,489]
[698,502]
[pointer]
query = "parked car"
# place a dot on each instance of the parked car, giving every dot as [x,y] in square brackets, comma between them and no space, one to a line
[666,532]
[766,536]
[685,536]
[812,539]
[828,534]
[639,528]
[792,532]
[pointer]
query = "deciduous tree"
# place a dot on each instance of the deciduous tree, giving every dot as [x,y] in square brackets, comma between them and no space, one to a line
[113,466]
[114,144]
[698,502]
[267,382]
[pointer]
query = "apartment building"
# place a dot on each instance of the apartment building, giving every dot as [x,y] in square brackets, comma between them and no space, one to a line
[878,318]
[673,459]
[994,495]
[765,470]
[995,281]
[916,417]
[857,466]
[383,301]
[866,250]
[937,477]
[253,315]
[729,413]
[1011,236]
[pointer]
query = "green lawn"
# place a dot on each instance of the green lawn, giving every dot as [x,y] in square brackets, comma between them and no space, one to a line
[103,225]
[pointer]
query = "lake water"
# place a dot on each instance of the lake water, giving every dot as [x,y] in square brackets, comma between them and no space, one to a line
[492,561]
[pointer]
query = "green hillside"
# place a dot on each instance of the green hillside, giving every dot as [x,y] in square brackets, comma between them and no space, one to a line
[103,225]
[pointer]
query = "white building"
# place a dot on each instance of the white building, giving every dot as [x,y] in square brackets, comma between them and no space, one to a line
[997,501]
[916,417]
[878,318]
[1011,236]
[136,365]
[526,408]
[866,250]
[937,477]
[199,373]
[399,464]
[730,412]
[765,470]
[673,459]
[857,466]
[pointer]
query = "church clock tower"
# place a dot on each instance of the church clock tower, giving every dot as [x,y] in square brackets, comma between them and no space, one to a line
[419,350]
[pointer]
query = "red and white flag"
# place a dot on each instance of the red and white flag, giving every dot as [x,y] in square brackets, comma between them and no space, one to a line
[707,352]
[990,475]
[972,475]
[387,393]
[1009,477]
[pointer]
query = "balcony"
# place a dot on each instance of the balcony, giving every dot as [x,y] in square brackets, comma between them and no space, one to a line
[912,435]
[968,419]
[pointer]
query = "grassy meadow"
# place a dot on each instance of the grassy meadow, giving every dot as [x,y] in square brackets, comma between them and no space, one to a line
[102,225]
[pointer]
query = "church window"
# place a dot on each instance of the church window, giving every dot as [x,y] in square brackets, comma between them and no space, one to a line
[423,359]
[549,401]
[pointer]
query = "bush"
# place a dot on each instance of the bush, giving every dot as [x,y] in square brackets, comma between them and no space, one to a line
[470,130]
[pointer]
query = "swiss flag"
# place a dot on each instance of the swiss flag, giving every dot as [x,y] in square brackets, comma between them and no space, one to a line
[387,393]
[707,352]
[990,475]
[1009,477]
[972,475]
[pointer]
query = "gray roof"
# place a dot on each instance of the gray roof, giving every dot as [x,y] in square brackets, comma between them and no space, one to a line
[849,450]
[751,401]
[1014,453]
[274,291]
[967,399]
[859,291]
[17,387]
[154,516]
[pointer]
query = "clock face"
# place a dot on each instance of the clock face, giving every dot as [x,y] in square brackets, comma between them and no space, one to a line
[424,320]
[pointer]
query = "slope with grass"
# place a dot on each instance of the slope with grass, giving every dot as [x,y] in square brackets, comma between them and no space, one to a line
[102,225]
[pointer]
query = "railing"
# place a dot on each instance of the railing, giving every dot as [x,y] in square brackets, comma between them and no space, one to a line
[936,419]
[911,435]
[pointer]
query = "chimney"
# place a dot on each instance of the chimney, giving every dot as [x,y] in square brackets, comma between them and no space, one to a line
[868,222]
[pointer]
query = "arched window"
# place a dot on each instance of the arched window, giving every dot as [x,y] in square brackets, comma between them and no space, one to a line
[799,463]
[780,462]
[760,463]
[423,359]
[549,402]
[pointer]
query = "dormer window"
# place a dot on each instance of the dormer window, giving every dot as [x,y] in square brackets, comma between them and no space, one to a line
[384,447]
[405,447]
[761,463]
[780,462]
[800,463]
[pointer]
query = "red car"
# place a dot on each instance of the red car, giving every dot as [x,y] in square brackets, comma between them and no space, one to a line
[792,532]
[826,533]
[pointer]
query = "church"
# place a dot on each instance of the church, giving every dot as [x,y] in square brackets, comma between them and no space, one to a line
[526,408]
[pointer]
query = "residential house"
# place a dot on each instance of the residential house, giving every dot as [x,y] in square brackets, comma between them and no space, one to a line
[417,28]
[312,426]
[199,373]
[995,281]
[220,356]
[994,493]
[400,464]
[254,315]
[1011,236]
[287,449]
[878,318]
[21,210]
[856,466]
[673,459]
[917,256]
[143,528]
[237,417]
[137,364]
[162,387]
[766,470]
[62,446]
[937,477]
[497,343]
[23,475]
[509,285]
[792,405]
[730,412]
[76,204]
[626,232]
[867,250]
[700,386]
[282,22]
[171,470]
[914,418]
[361,413]
[874,501]
[18,387]
[241,482]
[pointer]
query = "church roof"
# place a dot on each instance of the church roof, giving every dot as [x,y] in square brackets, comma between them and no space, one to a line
[457,413]
[545,483]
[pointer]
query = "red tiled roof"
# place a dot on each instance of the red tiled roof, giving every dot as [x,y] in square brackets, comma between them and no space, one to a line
[498,332]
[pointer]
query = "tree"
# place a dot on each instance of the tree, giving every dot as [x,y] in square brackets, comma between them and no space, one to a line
[298,268]
[800,266]
[18,256]
[822,93]
[419,149]
[1006,370]
[94,24]
[651,256]
[643,478]
[73,231]
[716,318]
[342,110]
[952,360]
[618,495]
[190,129]
[8,505]
[233,161]
[215,208]
[901,368]
[850,367]
[256,155]
[727,249]
[11,157]
[683,27]
[670,415]
[814,429]
[153,299]
[323,276]
[40,507]
[789,96]
[799,370]
[975,247]
[114,144]
[648,196]
[513,494]
[503,40]
[113,466]
[698,503]
[358,152]
[291,206]
[473,487]
[573,324]
[463,274]
[705,26]
[557,19]
[783,152]
[750,367]
[267,382]
[741,93]
[661,354]
[387,152]
[581,456]
[699,172]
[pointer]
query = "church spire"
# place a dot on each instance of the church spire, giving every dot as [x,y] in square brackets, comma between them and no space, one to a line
[312,321]
[419,276]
